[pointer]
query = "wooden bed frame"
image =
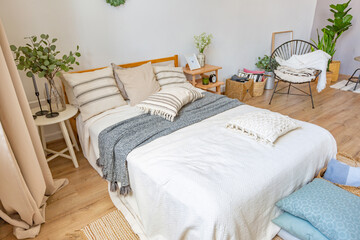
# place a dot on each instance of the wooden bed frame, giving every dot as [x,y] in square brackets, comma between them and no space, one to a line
[174,58]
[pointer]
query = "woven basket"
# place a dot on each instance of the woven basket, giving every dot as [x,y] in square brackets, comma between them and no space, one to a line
[345,158]
[238,90]
[258,88]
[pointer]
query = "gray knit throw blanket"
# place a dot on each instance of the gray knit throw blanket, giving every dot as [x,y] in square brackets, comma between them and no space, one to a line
[117,141]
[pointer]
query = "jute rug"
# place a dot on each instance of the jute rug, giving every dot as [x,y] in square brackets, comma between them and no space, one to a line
[349,87]
[113,226]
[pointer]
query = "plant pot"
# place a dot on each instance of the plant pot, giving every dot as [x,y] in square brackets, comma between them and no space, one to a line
[334,67]
[201,59]
[270,82]
[205,81]
[329,77]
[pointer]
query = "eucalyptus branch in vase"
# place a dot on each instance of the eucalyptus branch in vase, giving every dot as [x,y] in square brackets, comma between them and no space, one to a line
[40,57]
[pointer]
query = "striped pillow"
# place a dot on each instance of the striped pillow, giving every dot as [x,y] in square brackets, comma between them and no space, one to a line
[169,76]
[168,101]
[95,92]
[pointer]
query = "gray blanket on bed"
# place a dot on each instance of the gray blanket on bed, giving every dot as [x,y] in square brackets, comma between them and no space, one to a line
[117,141]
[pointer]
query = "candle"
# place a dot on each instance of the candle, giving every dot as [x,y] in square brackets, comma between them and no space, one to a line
[47,91]
[34,82]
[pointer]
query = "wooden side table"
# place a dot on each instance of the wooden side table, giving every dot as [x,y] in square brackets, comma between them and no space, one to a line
[201,71]
[63,121]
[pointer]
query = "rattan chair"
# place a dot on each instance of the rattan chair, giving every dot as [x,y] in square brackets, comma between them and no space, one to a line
[285,51]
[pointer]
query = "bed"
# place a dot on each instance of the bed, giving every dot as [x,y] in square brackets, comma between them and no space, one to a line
[206,182]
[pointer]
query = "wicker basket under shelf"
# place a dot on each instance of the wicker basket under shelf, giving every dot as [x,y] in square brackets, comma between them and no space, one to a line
[238,90]
[258,88]
[345,158]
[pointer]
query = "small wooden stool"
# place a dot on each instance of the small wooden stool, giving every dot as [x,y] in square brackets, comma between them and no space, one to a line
[238,90]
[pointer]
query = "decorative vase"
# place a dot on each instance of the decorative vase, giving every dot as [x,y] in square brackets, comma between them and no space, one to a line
[201,59]
[56,96]
[270,80]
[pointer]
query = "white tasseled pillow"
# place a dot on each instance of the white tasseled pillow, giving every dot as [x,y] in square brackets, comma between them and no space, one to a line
[168,101]
[264,126]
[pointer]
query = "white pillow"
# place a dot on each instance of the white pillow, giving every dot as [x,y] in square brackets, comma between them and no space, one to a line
[95,92]
[264,126]
[168,76]
[168,101]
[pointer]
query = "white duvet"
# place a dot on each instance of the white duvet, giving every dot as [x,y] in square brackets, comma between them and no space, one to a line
[208,182]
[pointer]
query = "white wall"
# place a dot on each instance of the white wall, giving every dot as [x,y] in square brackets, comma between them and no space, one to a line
[143,29]
[347,46]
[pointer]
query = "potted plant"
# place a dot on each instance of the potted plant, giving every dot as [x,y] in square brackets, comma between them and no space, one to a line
[39,57]
[201,42]
[340,23]
[264,63]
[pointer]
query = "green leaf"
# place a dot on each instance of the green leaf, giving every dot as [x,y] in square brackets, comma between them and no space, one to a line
[20,67]
[46,62]
[53,47]
[54,40]
[77,54]
[29,74]
[43,36]
[41,74]
[13,48]
[52,67]
[58,74]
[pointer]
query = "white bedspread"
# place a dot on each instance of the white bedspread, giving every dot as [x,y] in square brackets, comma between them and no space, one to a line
[208,182]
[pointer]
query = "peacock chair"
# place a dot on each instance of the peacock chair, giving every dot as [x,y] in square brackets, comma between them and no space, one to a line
[286,51]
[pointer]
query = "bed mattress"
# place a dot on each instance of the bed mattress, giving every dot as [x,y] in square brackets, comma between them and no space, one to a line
[208,182]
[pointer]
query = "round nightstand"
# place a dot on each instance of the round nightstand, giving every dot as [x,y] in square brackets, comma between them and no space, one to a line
[67,132]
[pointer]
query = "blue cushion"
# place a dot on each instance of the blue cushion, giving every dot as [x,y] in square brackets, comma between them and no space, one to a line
[338,172]
[333,211]
[298,227]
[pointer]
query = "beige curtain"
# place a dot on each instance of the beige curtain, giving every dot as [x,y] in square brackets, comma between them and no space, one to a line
[25,178]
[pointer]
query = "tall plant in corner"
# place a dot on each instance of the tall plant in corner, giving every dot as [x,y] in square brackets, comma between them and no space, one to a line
[40,57]
[340,23]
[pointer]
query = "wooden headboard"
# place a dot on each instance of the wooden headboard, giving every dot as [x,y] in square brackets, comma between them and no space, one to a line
[174,58]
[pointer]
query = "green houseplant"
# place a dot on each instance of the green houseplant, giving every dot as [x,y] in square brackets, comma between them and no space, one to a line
[201,42]
[340,23]
[115,3]
[40,57]
[264,63]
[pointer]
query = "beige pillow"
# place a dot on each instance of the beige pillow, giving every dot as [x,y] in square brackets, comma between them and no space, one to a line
[168,101]
[139,82]
[95,92]
[118,82]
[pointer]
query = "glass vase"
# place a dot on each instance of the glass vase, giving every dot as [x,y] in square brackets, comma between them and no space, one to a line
[201,59]
[56,96]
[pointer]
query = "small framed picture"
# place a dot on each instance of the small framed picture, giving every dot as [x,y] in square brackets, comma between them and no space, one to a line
[192,62]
